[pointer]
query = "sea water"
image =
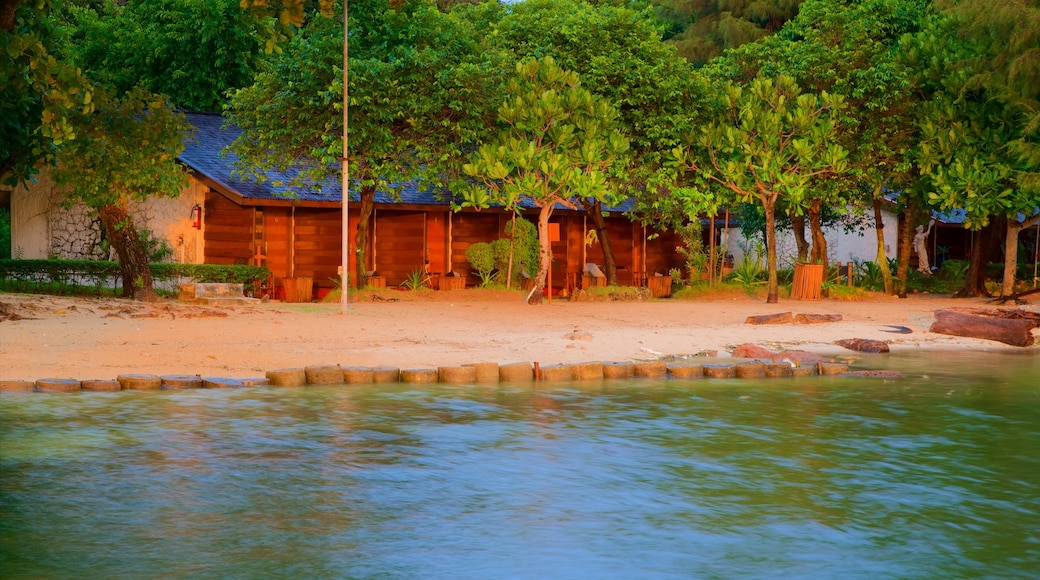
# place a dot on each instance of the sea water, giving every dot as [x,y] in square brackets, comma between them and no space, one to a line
[936,475]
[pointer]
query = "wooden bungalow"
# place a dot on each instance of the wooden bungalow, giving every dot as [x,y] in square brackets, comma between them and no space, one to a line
[297,233]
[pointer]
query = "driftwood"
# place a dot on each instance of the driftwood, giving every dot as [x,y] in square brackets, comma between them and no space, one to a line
[781,318]
[1010,328]
[816,318]
[863,345]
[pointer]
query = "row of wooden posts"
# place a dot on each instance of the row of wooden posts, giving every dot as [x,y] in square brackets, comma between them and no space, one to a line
[485,372]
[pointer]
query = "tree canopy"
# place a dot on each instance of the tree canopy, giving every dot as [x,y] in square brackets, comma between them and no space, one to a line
[557,144]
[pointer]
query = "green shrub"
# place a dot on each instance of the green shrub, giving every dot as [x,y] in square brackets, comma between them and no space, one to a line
[5,233]
[71,275]
[416,280]
[481,256]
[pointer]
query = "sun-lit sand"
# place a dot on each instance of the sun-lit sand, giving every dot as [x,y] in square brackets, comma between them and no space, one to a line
[83,338]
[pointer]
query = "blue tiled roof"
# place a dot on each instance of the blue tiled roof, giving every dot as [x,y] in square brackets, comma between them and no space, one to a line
[954,216]
[206,156]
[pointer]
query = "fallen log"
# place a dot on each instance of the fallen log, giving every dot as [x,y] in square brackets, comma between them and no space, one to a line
[816,318]
[1016,332]
[780,318]
[863,345]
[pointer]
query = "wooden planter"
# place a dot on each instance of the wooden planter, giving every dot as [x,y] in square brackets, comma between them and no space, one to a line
[452,283]
[298,289]
[660,286]
[376,282]
[808,282]
[592,282]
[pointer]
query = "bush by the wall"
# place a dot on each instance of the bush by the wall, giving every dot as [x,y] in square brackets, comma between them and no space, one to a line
[65,275]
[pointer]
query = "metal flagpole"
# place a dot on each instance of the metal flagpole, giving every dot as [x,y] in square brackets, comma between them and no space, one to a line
[345,171]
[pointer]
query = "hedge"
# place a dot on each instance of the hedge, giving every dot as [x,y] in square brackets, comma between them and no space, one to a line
[99,273]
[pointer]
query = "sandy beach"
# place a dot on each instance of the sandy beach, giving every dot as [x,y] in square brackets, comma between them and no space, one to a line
[84,338]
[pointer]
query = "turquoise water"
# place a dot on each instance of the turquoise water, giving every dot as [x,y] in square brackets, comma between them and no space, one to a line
[933,476]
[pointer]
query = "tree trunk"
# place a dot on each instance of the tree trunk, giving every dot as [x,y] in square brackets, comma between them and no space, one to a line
[130,251]
[1014,228]
[545,255]
[368,196]
[595,211]
[7,10]
[818,255]
[1016,332]
[882,257]
[1007,285]
[798,227]
[769,204]
[981,248]
[906,240]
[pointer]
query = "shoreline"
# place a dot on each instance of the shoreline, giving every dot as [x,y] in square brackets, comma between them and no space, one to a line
[91,339]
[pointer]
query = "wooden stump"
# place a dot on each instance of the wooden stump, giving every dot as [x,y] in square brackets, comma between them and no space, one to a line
[100,385]
[516,372]
[324,375]
[135,382]
[487,372]
[806,371]
[685,371]
[287,377]
[457,375]
[555,373]
[722,371]
[780,318]
[17,386]
[57,385]
[220,383]
[779,370]
[618,370]
[361,376]
[751,371]
[386,375]
[181,382]
[256,382]
[589,371]
[651,369]
[826,369]
[418,376]
[1013,331]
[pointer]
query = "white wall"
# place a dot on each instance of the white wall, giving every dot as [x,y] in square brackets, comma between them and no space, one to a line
[41,227]
[859,245]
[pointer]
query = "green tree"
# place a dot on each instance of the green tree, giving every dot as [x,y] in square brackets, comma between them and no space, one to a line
[703,29]
[124,151]
[850,49]
[192,51]
[39,90]
[982,142]
[618,53]
[770,143]
[557,145]
[419,81]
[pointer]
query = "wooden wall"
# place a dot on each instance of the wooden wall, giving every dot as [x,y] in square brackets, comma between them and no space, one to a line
[305,241]
[318,244]
[228,233]
[399,244]
[468,228]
